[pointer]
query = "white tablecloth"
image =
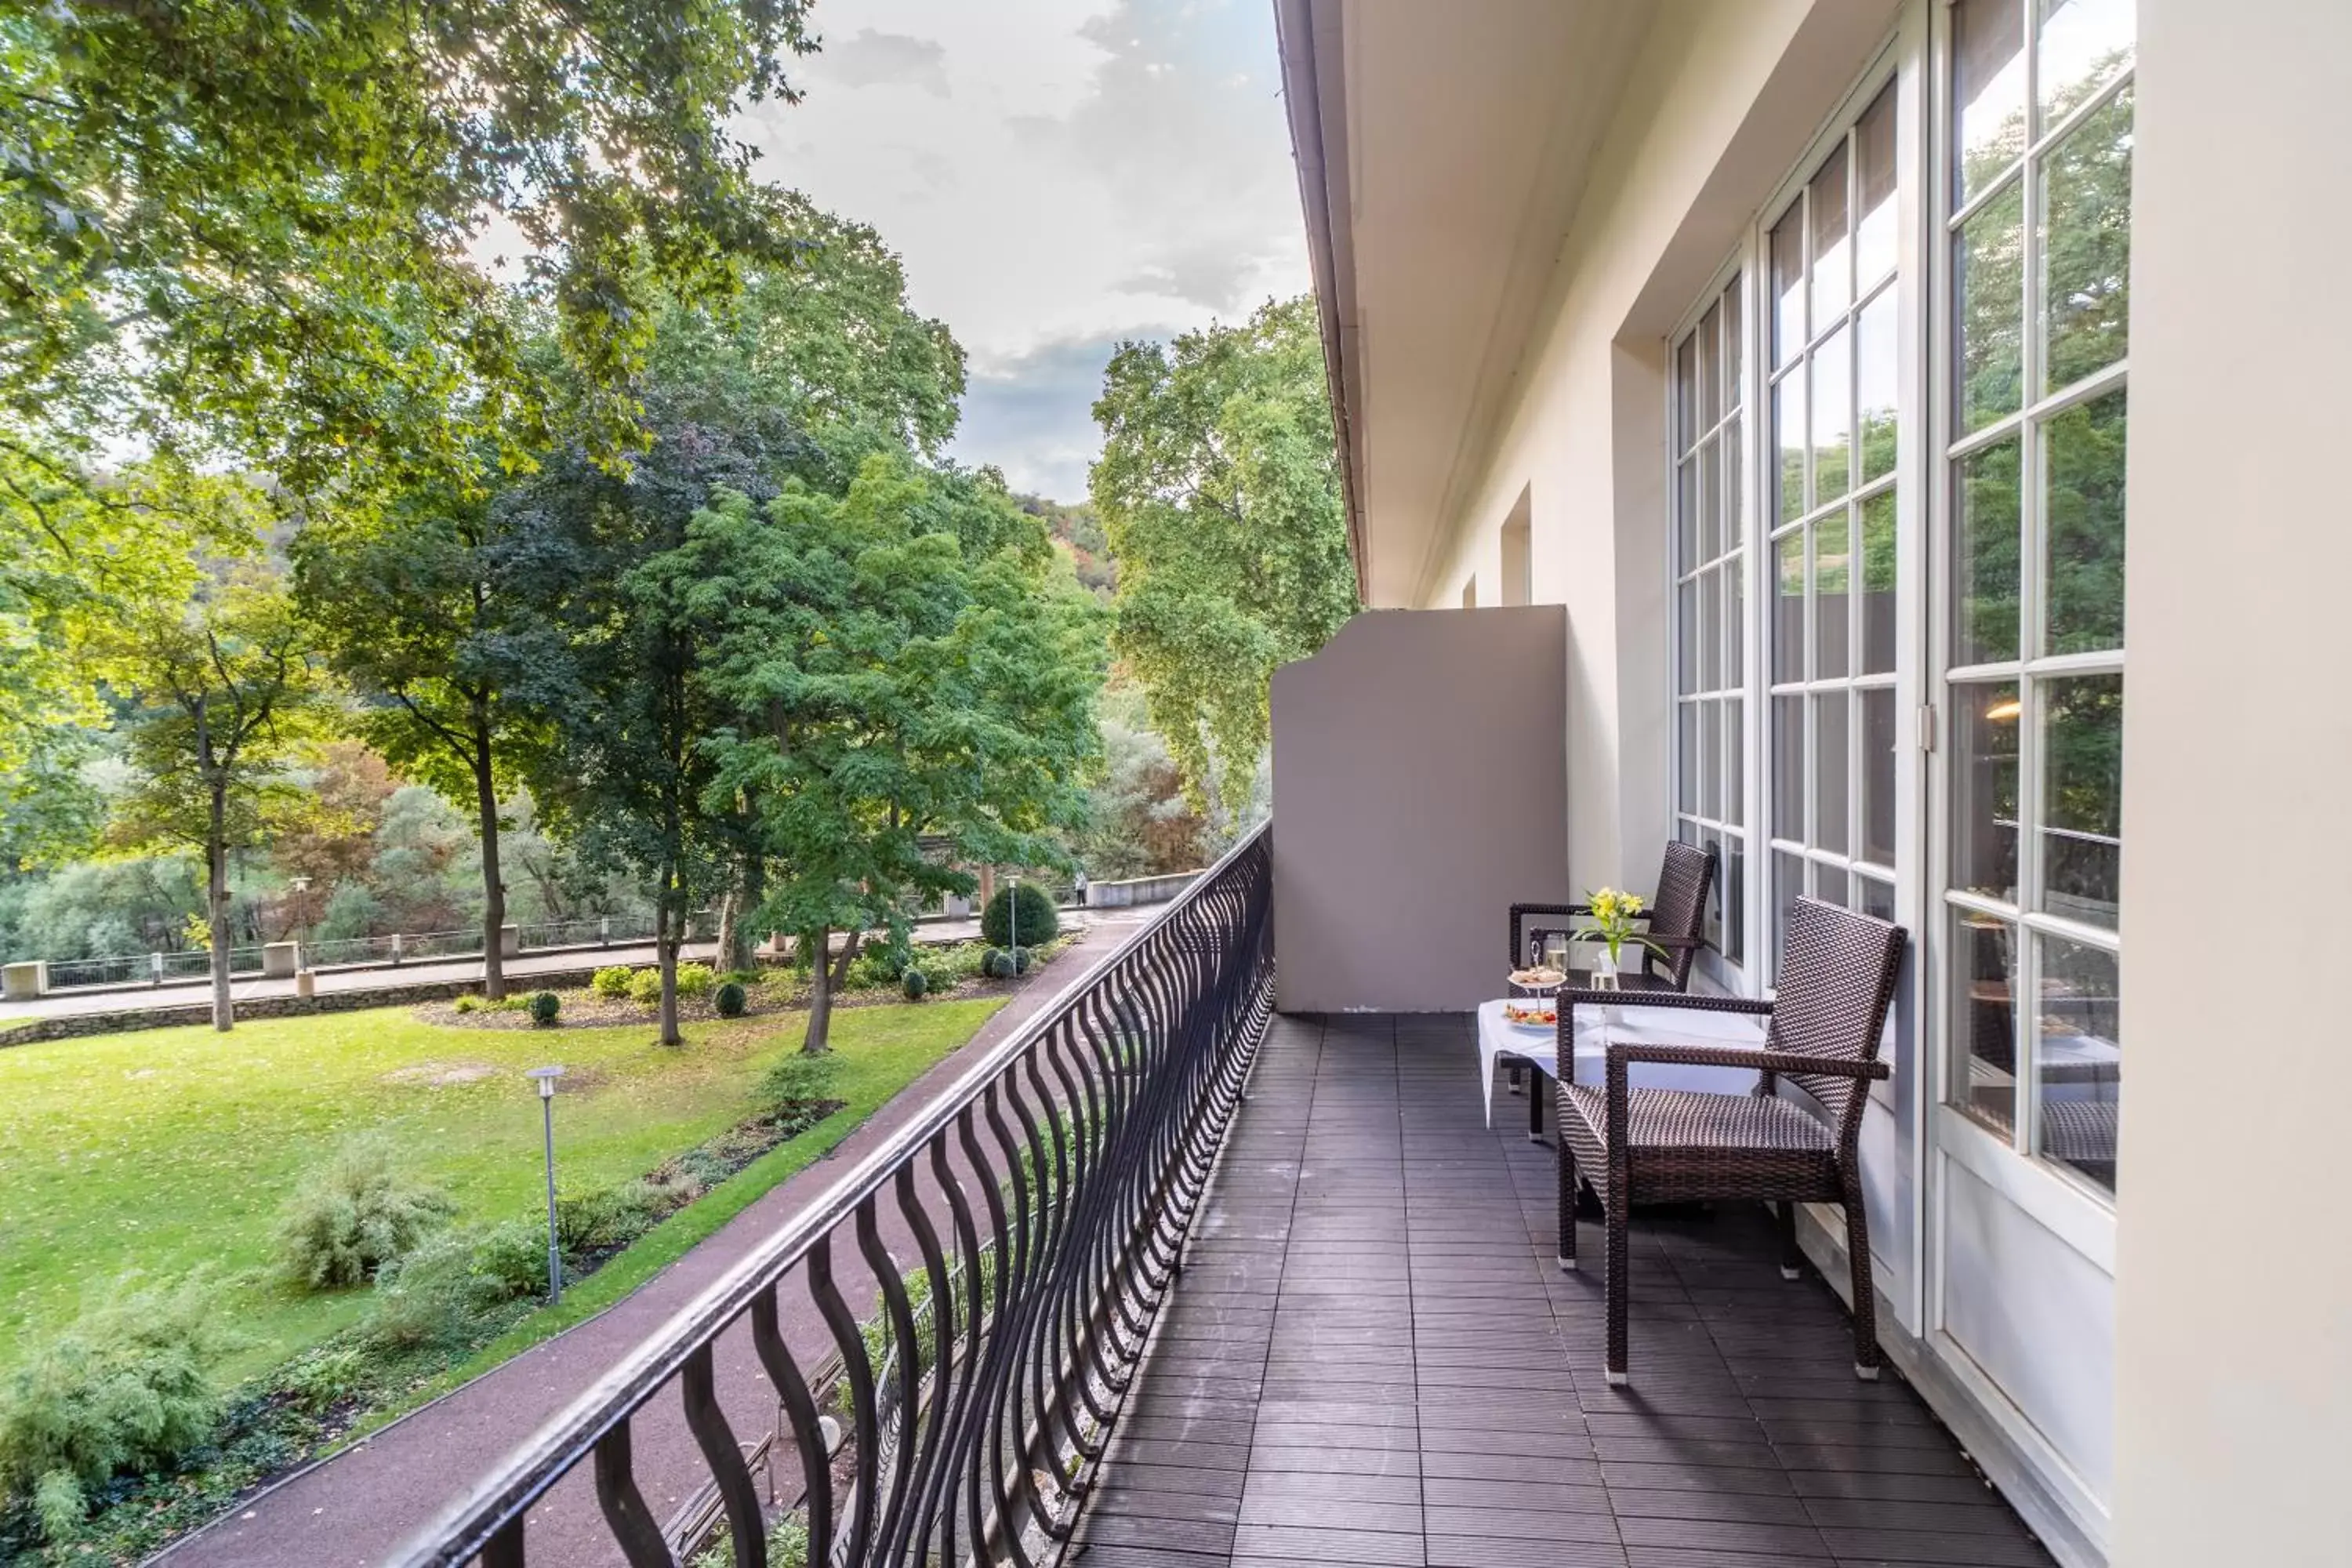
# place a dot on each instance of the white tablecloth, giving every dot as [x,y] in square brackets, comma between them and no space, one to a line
[1598,1027]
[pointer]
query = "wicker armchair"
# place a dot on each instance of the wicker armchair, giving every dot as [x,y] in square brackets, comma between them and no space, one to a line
[1649,1145]
[1676,920]
[1676,923]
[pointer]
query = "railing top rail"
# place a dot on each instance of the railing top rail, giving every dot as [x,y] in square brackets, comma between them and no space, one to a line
[462,1531]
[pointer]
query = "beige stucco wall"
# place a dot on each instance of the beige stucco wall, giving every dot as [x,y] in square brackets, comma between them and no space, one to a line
[1418,763]
[1723,96]
[2234,1288]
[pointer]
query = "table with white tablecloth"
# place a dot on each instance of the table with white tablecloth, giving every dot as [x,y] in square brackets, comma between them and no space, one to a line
[1598,1026]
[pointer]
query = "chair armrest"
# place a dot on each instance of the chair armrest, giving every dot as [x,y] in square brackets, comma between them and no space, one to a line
[1696,1002]
[1625,1051]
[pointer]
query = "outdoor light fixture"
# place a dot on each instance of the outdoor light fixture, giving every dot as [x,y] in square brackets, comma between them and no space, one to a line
[545,1077]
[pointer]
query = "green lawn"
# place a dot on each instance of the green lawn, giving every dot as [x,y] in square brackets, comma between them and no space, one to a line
[162,1150]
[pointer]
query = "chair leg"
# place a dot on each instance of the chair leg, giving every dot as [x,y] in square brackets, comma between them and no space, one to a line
[1866,1355]
[1620,1270]
[1792,1259]
[1535,1110]
[1567,1167]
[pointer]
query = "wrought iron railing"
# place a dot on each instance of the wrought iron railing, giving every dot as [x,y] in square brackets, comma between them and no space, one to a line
[941,1412]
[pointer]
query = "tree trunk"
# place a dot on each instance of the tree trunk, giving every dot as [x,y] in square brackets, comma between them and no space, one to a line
[755,893]
[494,888]
[826,976]
[724,958]
[670,929]
[216,904]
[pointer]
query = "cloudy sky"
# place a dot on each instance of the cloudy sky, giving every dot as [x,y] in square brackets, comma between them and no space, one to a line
[1058,174]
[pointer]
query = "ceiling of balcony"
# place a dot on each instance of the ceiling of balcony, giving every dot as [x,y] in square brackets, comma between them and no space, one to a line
[1450,147]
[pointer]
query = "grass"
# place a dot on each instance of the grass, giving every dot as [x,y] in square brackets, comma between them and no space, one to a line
[158,1150]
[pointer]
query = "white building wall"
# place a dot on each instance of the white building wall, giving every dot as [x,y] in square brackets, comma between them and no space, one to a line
[2235,1314]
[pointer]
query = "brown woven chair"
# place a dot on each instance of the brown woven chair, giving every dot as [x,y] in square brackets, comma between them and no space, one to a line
[1649,1145]
[1675,922]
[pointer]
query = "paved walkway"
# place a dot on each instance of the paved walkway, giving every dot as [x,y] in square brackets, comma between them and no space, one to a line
[356,1508]
[429,972]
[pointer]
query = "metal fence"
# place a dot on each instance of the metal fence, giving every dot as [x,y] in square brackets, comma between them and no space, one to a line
[147,968]
[1046,1197]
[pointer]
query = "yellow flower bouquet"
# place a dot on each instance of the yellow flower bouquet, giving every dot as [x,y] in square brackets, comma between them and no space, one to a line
[1613,914]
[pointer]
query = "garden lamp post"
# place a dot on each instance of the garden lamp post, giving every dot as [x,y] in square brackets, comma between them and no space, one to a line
[545,1077]
[1012,918]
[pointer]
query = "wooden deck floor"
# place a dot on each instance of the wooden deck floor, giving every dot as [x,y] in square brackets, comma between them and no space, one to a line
[1373,1359]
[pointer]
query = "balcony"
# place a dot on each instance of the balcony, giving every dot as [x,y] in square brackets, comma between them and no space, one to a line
[1371,1358]
[1170,1280]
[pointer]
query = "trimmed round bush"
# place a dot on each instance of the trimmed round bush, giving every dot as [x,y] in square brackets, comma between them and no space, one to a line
[1038,921]
[915,983]
[544,1006]
[612,982]
[1021,960]
[996,963]
[729,999]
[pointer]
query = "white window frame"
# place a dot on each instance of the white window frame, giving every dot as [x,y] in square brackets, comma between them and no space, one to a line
[2061,1196]
[1734,279]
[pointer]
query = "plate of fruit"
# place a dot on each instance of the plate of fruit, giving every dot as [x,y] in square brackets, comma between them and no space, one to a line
[1531,1014]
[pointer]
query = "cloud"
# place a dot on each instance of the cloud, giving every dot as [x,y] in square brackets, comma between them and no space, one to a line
[1183,130]
[1032,413]
[880,59]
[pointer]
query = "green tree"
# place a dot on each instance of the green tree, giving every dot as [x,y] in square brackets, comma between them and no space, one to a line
[904,691]
[1219,489]
[425,609]
[227,694]
[260,222]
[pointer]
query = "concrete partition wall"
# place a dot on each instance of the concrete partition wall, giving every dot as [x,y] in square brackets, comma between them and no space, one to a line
[1420,790]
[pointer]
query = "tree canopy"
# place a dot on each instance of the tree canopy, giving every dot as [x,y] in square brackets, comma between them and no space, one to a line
[1219,488]
[272,214]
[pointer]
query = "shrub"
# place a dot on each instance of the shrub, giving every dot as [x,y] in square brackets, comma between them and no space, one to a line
[604,1219]
[354,1216]
[1021,960]
[467,1005]
[1038,921]
[799,1079]
[612,982]
[509,1260]
[430,1299]
[127,1388]
[644,987]
[544,1006]
[730,999]
[913,984]
[324,1378]
[996,965]
[879,966]
[695,980]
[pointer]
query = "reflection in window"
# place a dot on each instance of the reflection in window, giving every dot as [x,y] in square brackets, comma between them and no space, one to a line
[1988,92]
[1984,1017]
[2082,522]
[2086,244]
[2083,46]
[1985,722]
[2083,796]
[1989,291]
[1984,554]
[2078,1056]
